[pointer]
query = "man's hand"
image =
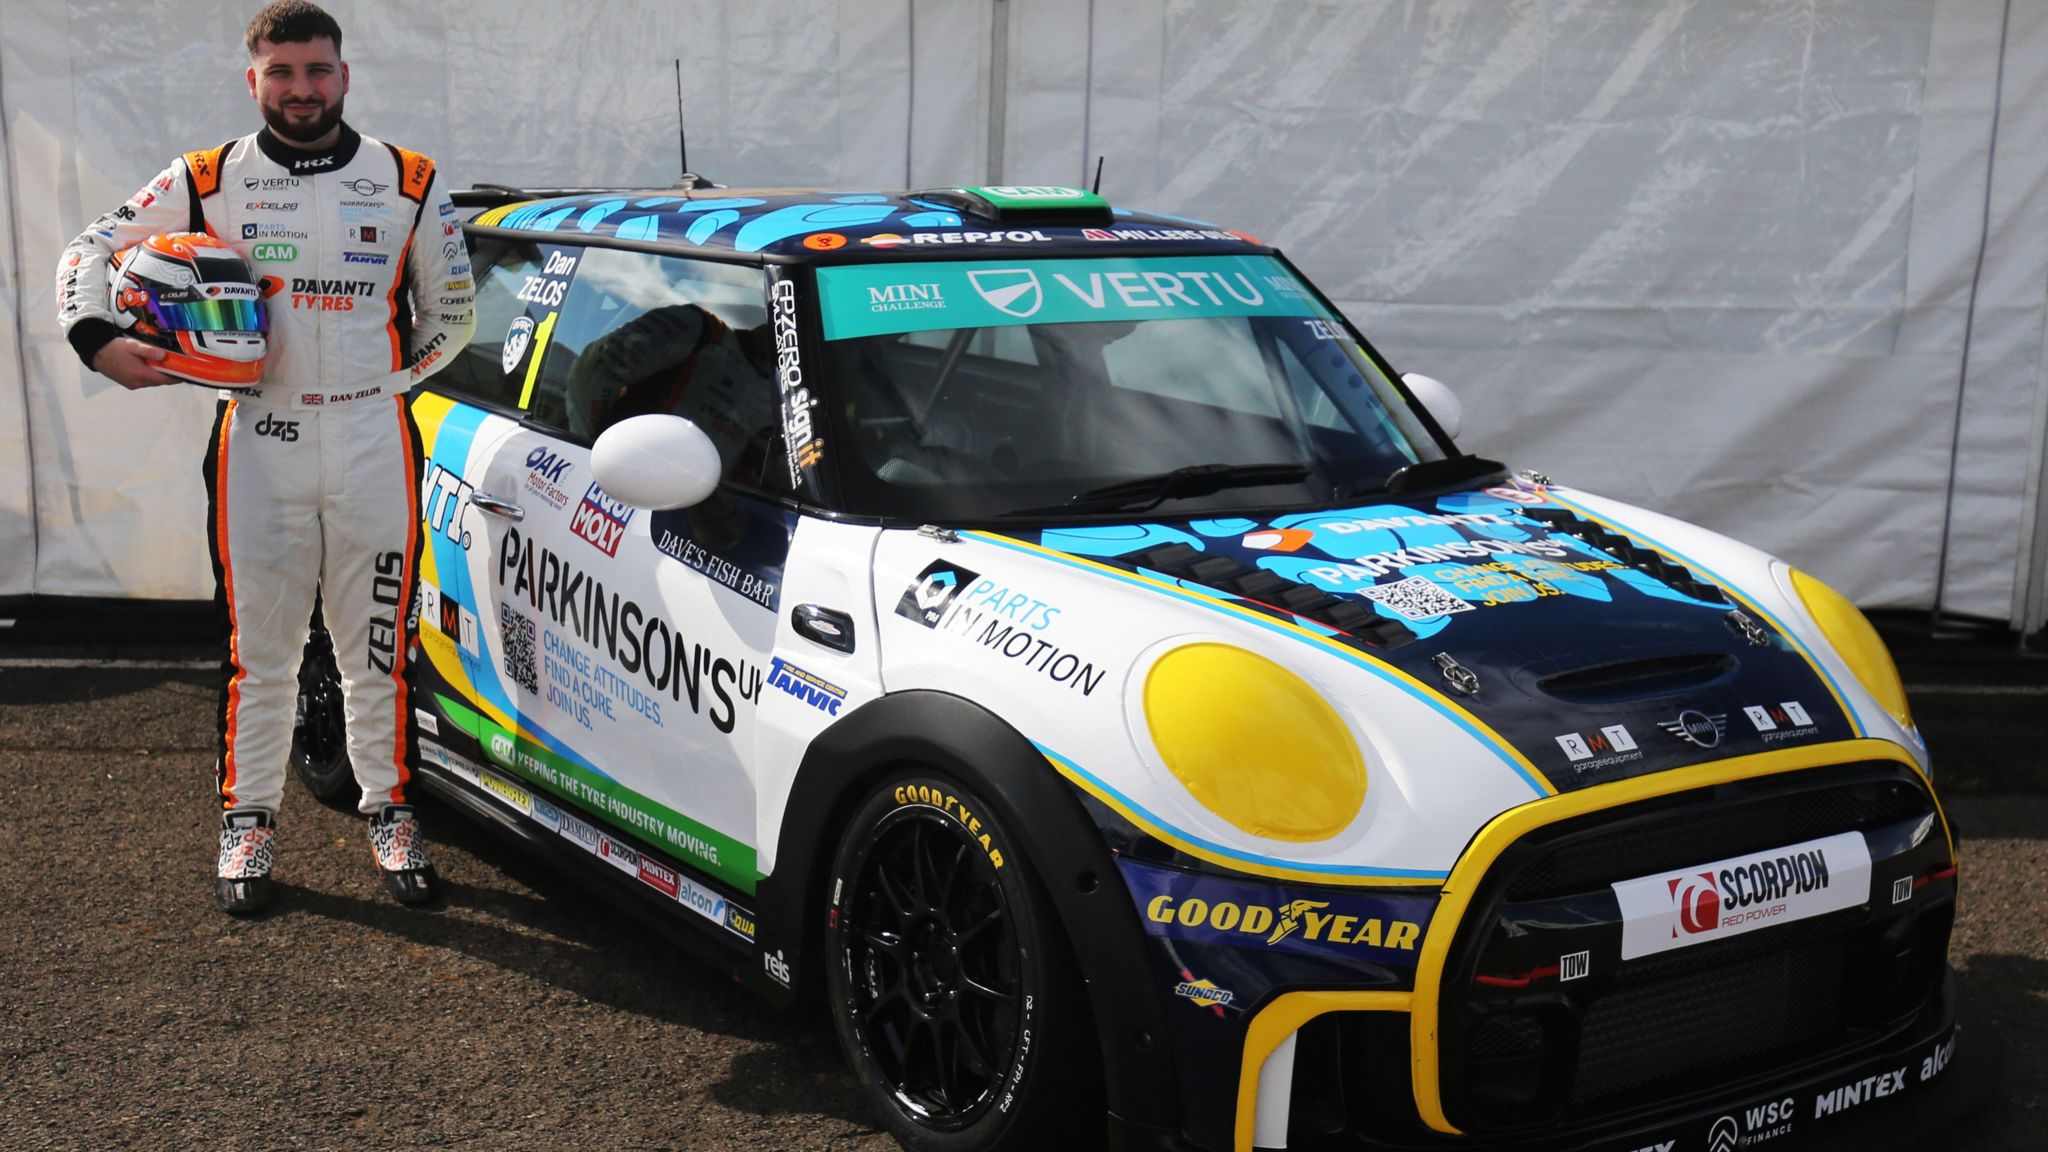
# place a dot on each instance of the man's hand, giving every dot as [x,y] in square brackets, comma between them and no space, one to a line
[131,363]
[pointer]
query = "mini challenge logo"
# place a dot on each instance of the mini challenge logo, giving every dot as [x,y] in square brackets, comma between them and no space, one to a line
[600,520]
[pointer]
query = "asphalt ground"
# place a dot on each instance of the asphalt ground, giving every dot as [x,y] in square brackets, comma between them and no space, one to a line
[523,1013]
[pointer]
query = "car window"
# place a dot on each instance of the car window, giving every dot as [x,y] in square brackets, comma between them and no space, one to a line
[478,371]
[640,333]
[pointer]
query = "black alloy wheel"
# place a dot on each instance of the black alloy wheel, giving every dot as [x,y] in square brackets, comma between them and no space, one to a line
[319,731]
[951,990]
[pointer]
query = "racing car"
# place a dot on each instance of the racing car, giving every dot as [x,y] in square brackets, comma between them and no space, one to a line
[1052,633]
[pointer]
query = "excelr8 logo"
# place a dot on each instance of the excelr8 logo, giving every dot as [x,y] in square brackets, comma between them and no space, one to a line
[601,520]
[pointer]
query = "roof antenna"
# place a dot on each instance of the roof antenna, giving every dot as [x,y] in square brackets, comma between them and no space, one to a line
[1098,176]
[682,138]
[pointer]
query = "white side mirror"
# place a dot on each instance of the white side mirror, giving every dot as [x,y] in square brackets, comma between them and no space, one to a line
[656,462]
[1435,396]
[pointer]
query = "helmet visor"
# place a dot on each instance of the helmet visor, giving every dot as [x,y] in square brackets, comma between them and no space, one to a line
[213,316]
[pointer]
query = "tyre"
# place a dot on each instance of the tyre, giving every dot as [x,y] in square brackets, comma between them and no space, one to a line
[319,731]
[952,990]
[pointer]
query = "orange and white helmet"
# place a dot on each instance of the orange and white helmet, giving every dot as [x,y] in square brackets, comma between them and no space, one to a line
[193,296]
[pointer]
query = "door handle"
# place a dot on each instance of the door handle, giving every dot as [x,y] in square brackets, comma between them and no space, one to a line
[497,507]
[827,626]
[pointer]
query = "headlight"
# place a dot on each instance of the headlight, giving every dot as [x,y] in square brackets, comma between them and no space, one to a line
[1857,642]
[1254,743]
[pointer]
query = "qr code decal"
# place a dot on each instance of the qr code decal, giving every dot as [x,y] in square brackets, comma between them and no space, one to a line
[518,638]
[1417,598]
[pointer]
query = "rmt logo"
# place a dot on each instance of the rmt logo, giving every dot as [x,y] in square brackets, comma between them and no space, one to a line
[285,430]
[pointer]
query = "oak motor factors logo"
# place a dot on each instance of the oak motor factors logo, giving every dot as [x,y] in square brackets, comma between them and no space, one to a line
[1729,897]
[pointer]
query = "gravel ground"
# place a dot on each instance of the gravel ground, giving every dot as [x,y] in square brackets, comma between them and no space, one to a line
[525,1014]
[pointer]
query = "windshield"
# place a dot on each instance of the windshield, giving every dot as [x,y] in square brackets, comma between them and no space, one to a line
[1049,387]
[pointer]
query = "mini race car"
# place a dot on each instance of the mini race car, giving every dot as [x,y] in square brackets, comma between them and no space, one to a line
[1057,634]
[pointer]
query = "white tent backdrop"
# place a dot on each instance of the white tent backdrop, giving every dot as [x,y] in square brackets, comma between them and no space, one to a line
[1725,258]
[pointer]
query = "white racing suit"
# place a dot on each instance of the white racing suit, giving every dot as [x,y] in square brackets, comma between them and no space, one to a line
[312,476]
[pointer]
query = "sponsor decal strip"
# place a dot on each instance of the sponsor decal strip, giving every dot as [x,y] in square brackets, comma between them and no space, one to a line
[656,875]
[1226,856]
[1856,724]
[1507,752]
[657,824]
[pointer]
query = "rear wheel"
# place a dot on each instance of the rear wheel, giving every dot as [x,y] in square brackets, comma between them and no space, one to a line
[319,733]
[951,989]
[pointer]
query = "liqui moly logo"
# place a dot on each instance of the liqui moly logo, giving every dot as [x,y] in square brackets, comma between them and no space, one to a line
[601,520]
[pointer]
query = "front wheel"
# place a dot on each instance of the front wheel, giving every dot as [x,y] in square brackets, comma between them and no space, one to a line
[953,995]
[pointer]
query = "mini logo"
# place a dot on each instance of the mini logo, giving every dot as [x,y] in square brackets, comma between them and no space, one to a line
[1012,291]
[1574,966]
[928,597]
[776,966]
[364,186]
[517,337]
[1724,1136]
[1459,678]
[1696,727]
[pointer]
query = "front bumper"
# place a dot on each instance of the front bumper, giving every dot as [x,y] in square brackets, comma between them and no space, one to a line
[1399,1054]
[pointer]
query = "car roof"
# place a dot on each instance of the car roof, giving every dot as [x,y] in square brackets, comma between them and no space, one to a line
[811,226]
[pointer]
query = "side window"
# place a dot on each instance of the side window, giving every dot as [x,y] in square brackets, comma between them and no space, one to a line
[478,370]
[641,333]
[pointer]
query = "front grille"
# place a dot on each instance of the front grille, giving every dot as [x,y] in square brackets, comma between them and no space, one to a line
[1601,853]
[1533,1052]
[1714,1021]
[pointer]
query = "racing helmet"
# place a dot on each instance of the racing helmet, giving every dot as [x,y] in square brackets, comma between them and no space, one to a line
[193,296]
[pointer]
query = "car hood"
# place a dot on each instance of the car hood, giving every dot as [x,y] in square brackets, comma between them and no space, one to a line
[1483,648]
[1593,654]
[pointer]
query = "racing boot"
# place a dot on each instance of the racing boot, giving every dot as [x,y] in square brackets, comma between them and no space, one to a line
[402,856]
[242,879]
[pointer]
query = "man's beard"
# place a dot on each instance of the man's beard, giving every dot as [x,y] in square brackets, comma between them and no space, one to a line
[283,129]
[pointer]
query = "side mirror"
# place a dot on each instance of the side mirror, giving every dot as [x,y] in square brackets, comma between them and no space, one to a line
[1435,395]
[656,462]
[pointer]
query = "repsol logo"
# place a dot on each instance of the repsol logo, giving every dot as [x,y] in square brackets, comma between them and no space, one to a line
[1284,921]
[285,430]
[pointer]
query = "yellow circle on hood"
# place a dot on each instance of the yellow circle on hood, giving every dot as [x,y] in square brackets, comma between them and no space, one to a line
[1254,743]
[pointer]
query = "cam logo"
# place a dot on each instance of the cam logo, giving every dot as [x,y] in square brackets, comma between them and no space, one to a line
[501,748]
[275,253]
[1011,291]
[928,597]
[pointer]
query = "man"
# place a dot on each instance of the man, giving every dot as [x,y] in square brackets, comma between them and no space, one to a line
[313,474]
